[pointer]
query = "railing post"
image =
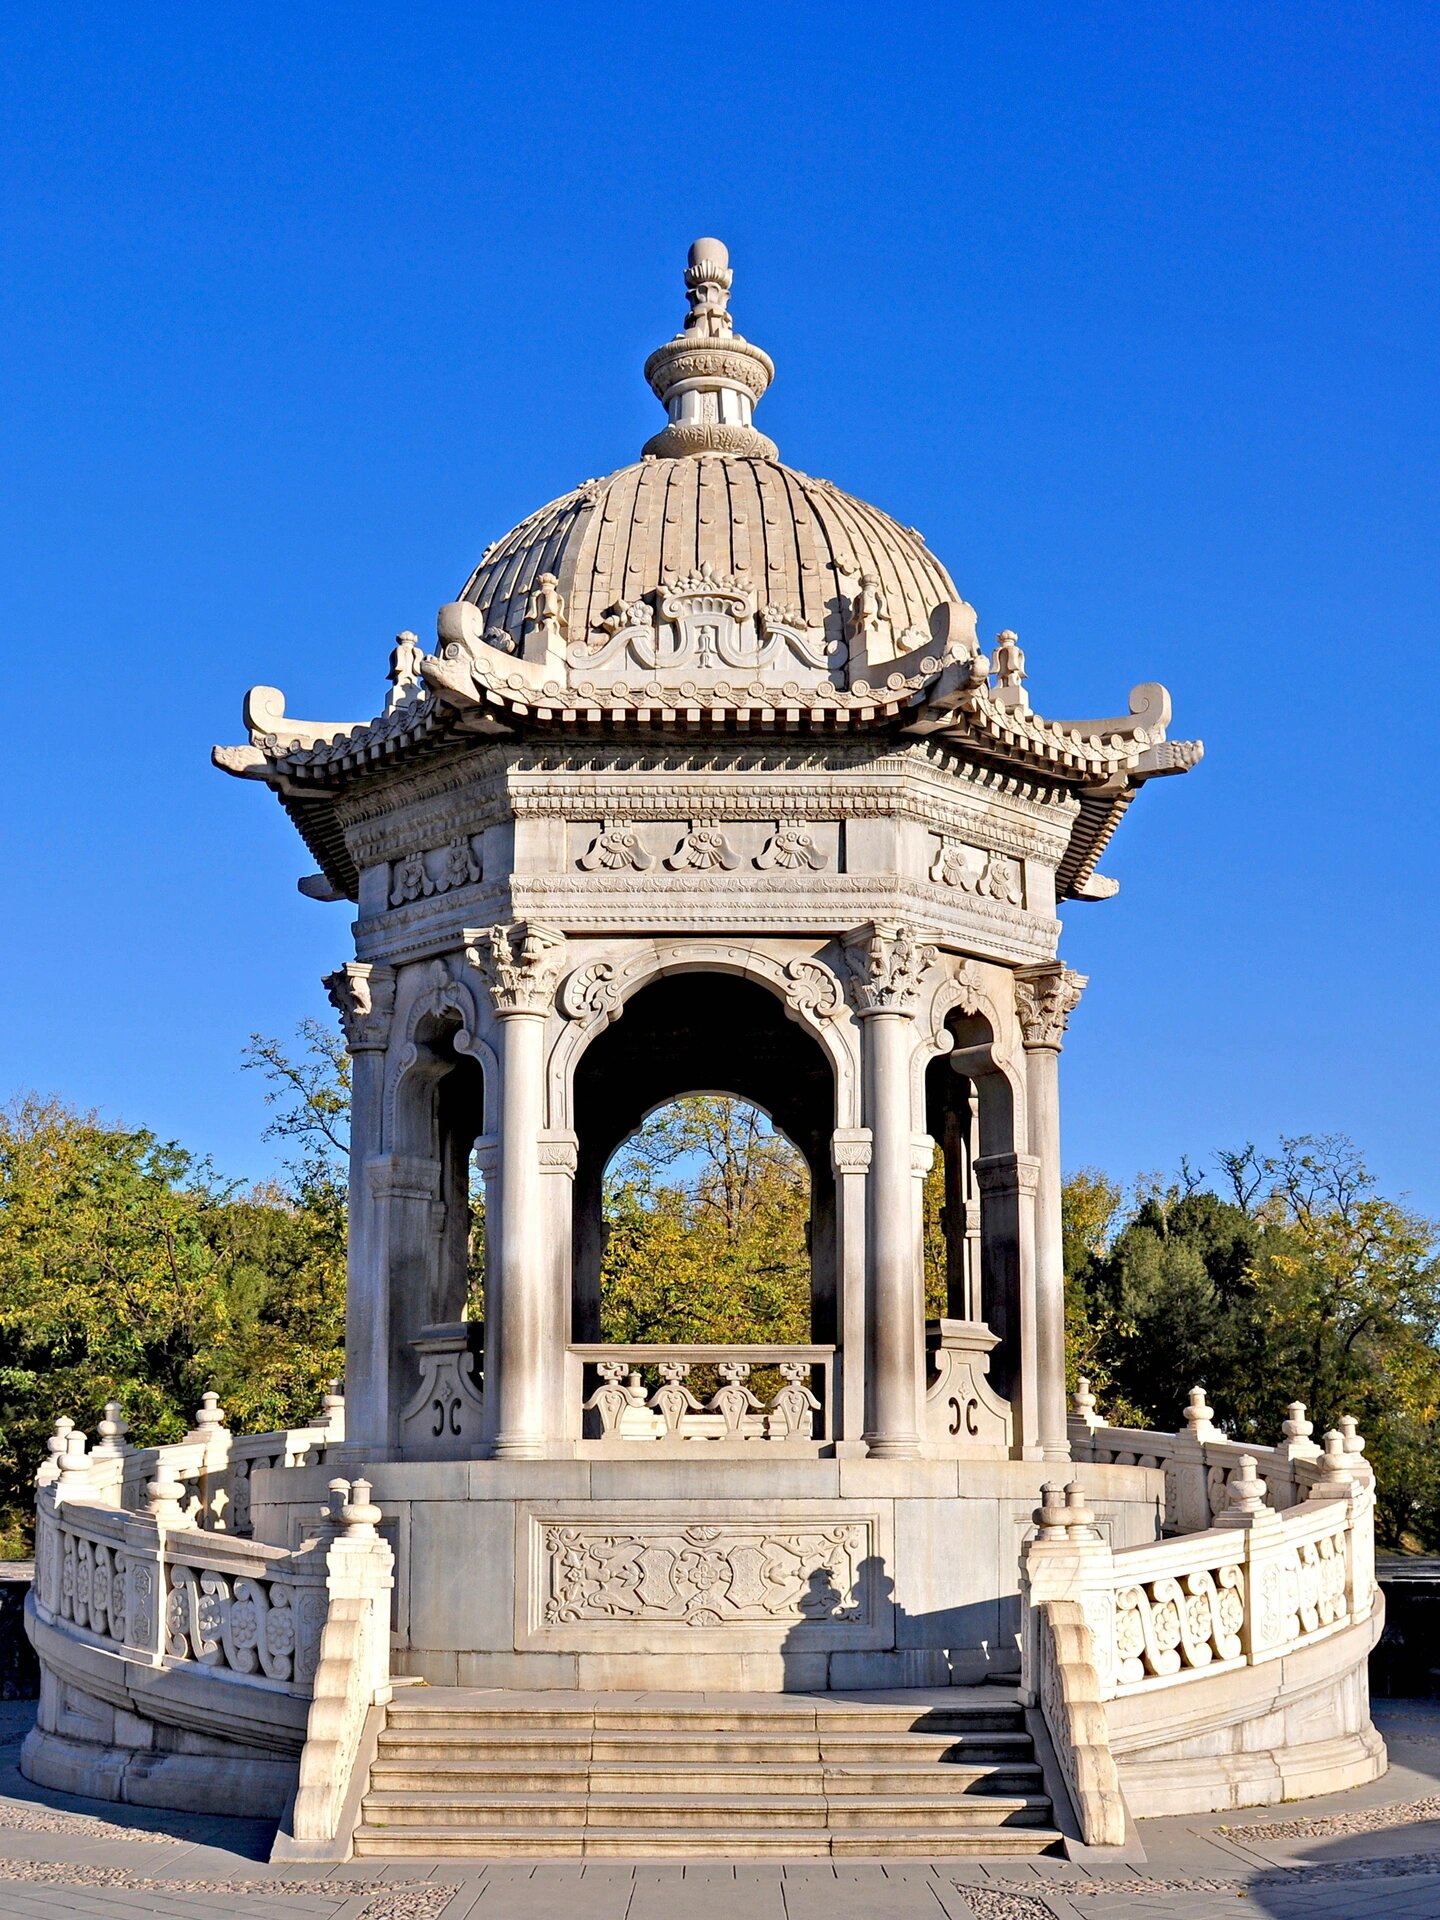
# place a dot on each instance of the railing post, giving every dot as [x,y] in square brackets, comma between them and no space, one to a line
[1066,1559]
[1186,1486]
[1264,1550]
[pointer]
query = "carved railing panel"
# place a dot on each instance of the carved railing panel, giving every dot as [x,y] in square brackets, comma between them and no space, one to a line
[645,1393]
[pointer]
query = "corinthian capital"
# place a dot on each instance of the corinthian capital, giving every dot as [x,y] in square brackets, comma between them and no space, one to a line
[364,997]
[1045,998]
[887,965]
[521,964]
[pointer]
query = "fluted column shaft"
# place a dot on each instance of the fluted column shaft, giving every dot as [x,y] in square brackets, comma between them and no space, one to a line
[895,1306]
[515,1304]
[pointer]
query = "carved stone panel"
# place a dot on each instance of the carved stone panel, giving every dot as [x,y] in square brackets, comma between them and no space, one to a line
[751,1574]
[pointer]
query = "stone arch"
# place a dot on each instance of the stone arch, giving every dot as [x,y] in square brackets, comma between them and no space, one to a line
[443,1006]
[595,994]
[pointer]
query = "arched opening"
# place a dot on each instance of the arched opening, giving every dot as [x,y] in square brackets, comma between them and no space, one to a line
[971,1231]
[437,1214]
[706,1228]
[726,1040]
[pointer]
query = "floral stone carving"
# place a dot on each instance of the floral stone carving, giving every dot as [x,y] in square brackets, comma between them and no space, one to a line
[706,1576]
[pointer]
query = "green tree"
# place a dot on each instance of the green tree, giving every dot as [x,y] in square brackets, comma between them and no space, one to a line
[706,1210]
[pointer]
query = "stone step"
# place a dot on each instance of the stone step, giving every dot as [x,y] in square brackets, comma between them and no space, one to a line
[981,1717]
[647,1811]
[663,1748]
[718,1843]
[528,1776]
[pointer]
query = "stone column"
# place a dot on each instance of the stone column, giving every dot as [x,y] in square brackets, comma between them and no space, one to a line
[1045,997]
[521,965]
[850,1157]
[887,964]
[364,997]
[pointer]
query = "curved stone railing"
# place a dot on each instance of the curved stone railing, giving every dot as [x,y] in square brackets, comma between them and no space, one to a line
[294,1636]
[1198,1459]
[1255,1585]
[213,1465]
[624,1408]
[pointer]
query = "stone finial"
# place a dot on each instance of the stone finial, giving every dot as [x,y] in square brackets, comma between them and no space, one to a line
[404,675]
[1051,1517]
[1085,1408]
[1351,1436]
[1079,1518]
[708,378]
[1007,663]
[708,280]
[165,1496]
[331,1416]
[49,1469]
[210,1420]
[73,1481]
[335,1502]
[1295,1426]
[360,1514]
[112,1444]
[1199,1417]
[1244,1488]
[1336,1475]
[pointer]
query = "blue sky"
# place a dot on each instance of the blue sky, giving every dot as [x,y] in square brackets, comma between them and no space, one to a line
[1131,310]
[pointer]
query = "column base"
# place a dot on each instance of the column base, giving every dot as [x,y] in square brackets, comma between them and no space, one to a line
[1057,1453]
[518,1447]
[893,1446]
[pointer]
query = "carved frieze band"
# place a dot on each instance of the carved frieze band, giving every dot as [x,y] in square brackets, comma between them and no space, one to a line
[990,875]
[703,847]
[419,875]
[706,1577]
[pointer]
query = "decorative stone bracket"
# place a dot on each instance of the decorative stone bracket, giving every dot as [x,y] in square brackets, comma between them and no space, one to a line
[443,1420]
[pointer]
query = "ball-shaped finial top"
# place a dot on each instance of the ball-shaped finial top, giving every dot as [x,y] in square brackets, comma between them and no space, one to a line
[713,252]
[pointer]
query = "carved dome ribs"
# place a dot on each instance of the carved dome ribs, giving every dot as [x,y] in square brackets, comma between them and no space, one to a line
[803,544]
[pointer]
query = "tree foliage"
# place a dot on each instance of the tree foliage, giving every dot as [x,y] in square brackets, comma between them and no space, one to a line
[706,1211]
[129,1270]
[1297,1280]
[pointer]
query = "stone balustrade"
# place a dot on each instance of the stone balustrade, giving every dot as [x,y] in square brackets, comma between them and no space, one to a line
[297,1637]
[1255,1586]
[212,1464]
[1198,1459]
[621,1394]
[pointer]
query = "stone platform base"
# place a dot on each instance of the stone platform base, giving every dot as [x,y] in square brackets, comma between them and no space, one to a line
[221,1779]
[117,1729]
[737,1575]
[1292,1728]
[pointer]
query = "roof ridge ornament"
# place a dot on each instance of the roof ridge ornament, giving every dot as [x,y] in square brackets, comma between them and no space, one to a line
[708,378]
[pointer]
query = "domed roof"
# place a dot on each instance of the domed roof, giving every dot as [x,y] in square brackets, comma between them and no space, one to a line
[710,500]
[805,546]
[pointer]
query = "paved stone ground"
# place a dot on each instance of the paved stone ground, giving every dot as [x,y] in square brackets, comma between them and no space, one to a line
[1374,1852]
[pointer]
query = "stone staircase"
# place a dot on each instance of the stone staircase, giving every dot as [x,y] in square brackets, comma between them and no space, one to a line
[940,1772]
